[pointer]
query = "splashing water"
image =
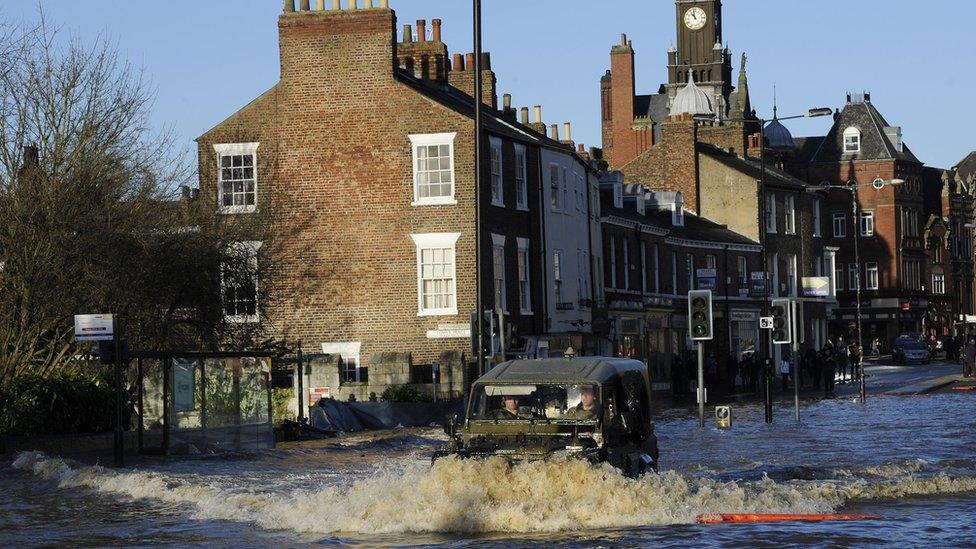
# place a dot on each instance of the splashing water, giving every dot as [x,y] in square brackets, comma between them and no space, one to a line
[474,496]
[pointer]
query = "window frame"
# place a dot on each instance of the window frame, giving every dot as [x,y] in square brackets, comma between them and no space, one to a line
[427,140]
[521,177]
[866,223]
[872,276]
[499,283]
[523,263]
[816,218]
[853,276]
[843,224]
[236,149]
[852,132]
[938,283]
[770,213]
[790,214]
[252,248]
[495,146]
[428,241]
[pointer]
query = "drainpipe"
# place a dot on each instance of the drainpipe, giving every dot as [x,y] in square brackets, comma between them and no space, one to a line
[544,250]
[728,312]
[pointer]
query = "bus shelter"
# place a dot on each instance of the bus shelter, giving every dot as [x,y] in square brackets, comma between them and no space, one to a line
[199,403]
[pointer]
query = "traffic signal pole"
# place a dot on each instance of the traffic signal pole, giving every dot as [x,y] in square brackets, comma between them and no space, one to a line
[701,384]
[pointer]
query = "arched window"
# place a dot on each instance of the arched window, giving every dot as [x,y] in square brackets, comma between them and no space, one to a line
[852,140]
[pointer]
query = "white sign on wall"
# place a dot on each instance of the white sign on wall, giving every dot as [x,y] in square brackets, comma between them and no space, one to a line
[94,328]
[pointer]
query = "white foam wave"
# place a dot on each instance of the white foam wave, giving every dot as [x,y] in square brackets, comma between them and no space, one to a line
[490,496]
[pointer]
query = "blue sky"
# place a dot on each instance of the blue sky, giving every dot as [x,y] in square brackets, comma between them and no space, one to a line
[208,58]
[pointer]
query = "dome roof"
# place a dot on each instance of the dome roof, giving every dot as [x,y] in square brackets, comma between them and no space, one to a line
[691,100]
[777,136]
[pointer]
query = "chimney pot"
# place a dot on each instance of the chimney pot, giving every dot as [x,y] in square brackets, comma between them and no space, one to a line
[623,39]
[421,30]
[289,6]
[319,5]
[555,132]
[384,4]
[352,5]
[525,115]
[436,23]
[336,6]
[538,114]
[458,62]
[507,101]
[567,131]
[581,149]
[469,61]
[407,34]
[303,5]
[369,4]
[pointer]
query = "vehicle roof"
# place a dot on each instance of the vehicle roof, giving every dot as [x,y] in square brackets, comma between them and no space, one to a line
[561,370]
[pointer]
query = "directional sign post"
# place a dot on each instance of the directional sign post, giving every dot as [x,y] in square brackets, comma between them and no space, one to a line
[103,328]
[94,327]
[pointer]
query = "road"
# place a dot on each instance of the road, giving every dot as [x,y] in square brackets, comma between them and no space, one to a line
[885,376]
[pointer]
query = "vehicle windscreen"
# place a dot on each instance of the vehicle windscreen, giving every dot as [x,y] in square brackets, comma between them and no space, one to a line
[913,346]
[576,402]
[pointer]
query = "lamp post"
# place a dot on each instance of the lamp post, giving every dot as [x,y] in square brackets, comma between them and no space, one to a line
[852,187]
[479,297]
[767,371]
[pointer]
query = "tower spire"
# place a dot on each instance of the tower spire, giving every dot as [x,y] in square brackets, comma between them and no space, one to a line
[743,105]
[774,100]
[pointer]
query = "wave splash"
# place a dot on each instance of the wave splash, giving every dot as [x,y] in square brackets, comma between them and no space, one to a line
[472,496]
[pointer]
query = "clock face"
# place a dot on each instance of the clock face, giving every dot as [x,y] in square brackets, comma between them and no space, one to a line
[695,18]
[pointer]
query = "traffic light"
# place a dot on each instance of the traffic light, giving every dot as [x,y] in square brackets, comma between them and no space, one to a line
[700,315]
[782,330]
[490,331]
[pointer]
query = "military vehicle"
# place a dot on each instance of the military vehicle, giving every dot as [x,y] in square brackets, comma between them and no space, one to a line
[591,408]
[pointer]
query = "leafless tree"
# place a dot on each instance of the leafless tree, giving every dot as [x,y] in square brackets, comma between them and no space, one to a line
[92,218]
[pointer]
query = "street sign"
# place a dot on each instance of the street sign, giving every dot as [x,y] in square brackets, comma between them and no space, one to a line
[94,328]
[765,323]
[758,285]
[816,286]
[723,417]
[707,273]
[706,284]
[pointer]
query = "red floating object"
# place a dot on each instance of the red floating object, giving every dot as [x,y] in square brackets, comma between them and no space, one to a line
[747,518]
[965,388]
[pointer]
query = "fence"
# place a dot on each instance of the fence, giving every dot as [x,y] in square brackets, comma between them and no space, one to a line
[203,402]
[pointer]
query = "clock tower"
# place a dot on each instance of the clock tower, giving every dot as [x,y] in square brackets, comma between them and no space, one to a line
[700,50]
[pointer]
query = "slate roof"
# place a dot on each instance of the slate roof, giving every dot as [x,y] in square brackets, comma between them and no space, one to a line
[463,104]
[655,107]
[695,228]
[875,145]
[967,167]
[806,147]
[752,167]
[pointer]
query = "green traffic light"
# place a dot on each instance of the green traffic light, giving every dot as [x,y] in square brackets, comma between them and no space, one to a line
[700,331]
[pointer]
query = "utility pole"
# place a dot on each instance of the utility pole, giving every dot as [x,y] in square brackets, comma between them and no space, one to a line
[119,449]
[479,297]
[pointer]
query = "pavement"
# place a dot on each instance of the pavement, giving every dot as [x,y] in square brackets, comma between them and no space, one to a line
[883,377]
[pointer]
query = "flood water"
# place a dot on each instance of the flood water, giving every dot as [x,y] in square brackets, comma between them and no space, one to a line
[911,460]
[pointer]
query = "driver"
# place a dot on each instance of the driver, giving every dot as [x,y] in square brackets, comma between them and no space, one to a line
[588,407]
[510,409]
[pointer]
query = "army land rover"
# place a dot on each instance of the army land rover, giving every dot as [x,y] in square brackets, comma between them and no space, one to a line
[591,408]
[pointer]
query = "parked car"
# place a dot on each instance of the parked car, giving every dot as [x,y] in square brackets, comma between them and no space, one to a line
[591,408]
[907,351]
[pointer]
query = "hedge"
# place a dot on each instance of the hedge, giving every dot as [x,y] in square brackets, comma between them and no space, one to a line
[68,402]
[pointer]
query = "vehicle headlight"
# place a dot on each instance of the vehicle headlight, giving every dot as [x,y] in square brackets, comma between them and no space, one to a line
[598,438]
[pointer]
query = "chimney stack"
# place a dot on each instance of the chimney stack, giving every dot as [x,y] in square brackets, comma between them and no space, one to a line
[525,116]
[437,29]
[421,30]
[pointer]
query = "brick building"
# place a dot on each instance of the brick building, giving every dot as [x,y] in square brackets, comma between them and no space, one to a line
[705,145]
[362,158]
[654,253]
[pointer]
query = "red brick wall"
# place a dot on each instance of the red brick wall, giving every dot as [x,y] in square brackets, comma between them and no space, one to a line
[335,169]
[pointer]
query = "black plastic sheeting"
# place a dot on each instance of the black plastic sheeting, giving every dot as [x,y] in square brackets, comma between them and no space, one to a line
[350,417]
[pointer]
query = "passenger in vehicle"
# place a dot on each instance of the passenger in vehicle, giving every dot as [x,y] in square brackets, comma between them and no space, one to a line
[589,406]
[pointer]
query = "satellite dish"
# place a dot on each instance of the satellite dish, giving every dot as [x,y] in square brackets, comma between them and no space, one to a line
[878,183]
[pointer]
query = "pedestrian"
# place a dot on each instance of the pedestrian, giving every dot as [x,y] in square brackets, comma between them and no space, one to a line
[828,357]
[818,366]
[810,365]
[784,372]
[970,358]
[841,348]
[855,359]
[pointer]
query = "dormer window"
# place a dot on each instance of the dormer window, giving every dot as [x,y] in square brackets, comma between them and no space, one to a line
[618,195]
[678,211]
[640,204]
[852,140]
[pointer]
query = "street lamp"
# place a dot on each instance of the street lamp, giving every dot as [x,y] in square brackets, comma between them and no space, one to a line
[852,186]
[812,113]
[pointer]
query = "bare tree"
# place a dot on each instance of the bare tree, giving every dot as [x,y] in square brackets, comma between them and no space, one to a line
[91,217]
